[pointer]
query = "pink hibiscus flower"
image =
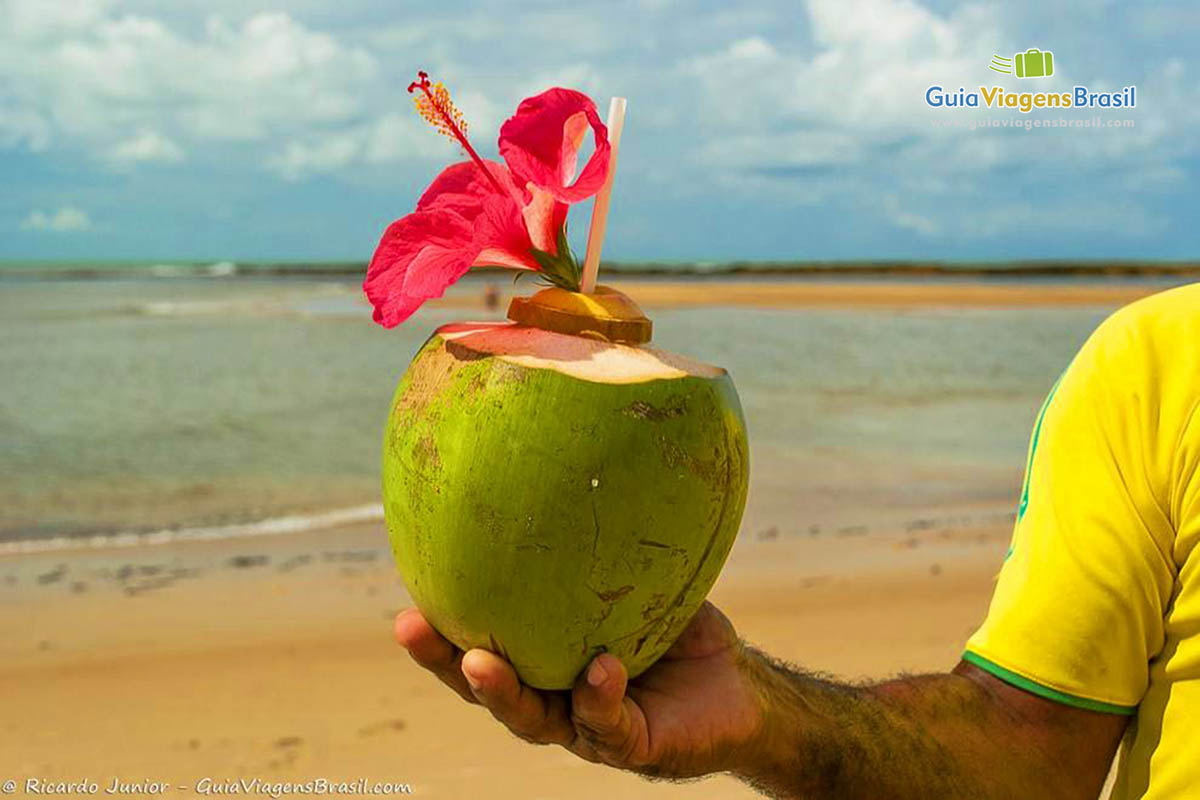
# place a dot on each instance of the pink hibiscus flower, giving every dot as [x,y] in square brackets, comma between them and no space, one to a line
[484,213]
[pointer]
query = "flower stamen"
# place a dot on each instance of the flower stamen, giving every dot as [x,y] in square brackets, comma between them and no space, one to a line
[435,106]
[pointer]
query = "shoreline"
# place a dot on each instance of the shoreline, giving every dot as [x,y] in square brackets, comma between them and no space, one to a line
[880,295]
[913,269]
[268,526]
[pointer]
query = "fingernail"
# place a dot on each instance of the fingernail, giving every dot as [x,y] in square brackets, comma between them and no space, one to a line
[597,674]
[473,681]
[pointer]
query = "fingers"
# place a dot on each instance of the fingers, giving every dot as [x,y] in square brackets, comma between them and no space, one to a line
[598,722]
[709,632]
[611,723]
[534,716]
[431,651]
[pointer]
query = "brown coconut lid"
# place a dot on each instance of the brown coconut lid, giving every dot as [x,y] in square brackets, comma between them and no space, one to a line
[605,314]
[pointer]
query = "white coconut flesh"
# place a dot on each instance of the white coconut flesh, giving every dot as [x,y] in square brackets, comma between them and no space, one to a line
[577,356]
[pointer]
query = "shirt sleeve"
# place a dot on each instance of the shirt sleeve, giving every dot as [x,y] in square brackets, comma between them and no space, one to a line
[1078,609]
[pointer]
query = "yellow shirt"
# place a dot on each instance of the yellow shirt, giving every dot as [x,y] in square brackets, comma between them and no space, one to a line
[1098,602]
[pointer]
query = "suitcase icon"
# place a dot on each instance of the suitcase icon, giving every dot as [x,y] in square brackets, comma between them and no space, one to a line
[1034,63]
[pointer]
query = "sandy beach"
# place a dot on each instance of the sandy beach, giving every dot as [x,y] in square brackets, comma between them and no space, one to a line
[870,293]
[273,657]
[884,294]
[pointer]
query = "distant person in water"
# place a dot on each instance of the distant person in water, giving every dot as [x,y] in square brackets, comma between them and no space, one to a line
[1093,636]
[491,297]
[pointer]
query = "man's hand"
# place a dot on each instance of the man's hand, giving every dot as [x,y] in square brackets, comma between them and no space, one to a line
[713,704]
[694,712]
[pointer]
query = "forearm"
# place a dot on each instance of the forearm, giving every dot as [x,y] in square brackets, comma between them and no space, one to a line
[937,736]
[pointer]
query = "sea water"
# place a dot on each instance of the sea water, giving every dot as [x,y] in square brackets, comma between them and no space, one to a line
[132,404]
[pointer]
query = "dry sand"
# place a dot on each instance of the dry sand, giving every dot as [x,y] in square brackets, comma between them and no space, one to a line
[273,657]
[881,293]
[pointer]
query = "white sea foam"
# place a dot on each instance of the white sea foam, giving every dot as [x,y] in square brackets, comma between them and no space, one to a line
[218,269]
[182,308]
[169,270]
[267,527]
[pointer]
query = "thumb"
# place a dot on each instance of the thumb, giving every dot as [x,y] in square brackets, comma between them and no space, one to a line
[609,722]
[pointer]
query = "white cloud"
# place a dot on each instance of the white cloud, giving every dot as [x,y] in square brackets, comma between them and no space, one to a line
[873,61]
[783,151]
[848,117]
[751,49]
[67,219]
[903,216]
[133,89]
[330,153]
[1085,216]
[819,102]
[147,146]
[391,138]
[23,127]
[46,21]
[1155,21]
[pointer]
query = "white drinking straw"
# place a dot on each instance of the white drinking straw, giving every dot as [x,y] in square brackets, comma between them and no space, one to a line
[591,263]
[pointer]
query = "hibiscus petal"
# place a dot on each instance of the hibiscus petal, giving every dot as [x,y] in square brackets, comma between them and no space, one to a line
[500,230]
[540,144]
[417,258]
[462,220]
[463,185]
[544,217]
[434,269]
[501,235]
[495,257]
[574,129]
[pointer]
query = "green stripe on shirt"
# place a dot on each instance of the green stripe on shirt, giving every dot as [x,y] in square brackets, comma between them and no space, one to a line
[1021,682]
[1037,431]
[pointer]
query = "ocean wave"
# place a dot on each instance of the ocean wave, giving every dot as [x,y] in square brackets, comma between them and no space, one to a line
[186,308]
[274,526]
[218,269]
[170,270]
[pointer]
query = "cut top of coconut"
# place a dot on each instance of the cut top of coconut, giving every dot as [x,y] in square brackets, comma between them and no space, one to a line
[576,356]
[606,314]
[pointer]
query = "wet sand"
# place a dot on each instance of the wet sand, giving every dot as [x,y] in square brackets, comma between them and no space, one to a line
[273,657]
[880,293]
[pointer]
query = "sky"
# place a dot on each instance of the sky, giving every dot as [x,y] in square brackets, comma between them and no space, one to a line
[772,130]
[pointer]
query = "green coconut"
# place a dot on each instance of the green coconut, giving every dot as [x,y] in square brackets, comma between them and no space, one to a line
[550,497]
